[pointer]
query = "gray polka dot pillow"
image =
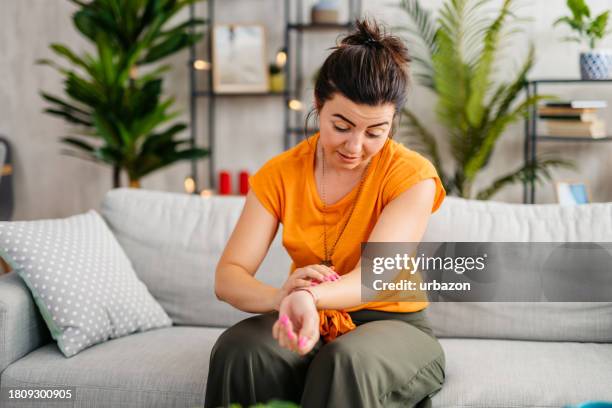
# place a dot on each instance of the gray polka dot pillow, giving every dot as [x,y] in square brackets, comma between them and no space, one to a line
[81,280]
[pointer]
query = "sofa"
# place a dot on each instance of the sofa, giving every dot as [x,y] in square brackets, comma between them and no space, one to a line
[519,354]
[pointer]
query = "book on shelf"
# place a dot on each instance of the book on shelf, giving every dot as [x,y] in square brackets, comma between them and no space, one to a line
[577,116]
[577,104]
[594,129]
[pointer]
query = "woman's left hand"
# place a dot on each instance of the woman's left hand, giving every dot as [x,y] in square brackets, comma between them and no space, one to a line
[297,328]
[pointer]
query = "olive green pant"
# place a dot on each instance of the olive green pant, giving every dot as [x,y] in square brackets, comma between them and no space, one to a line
[389,360]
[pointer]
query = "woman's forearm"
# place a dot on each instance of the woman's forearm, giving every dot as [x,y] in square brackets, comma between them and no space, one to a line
[341,294]
[234,285]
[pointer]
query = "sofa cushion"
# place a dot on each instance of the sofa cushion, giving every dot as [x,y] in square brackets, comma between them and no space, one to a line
[81,281]
[174,242]
[460,220]
[160,368]
[509,373]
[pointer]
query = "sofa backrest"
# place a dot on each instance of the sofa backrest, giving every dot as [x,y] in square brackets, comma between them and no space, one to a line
[175,240]
[460,220]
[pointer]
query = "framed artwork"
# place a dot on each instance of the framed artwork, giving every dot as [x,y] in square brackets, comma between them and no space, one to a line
[239,58]
[571,193]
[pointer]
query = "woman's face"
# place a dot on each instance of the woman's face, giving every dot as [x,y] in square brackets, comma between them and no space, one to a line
[352,133]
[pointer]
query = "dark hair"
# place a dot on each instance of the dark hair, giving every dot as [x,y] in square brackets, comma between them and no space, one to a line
[368,67]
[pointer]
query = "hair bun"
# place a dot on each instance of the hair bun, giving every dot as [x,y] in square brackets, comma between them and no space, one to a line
[366,32]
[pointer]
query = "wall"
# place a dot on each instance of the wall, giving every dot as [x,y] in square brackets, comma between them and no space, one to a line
[249,130]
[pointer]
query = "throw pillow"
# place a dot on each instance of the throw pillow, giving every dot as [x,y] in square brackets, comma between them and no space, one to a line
[81,280]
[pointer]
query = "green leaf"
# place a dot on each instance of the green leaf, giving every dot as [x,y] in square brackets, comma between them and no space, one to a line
[110,155]
[597,28]
[65,52]
[538,171]
[480,82]
[72,118]
[82,156]
[107,131]
[579,9]
[78,143]
[170,45]
[419,136]
[69,107]
[155,141]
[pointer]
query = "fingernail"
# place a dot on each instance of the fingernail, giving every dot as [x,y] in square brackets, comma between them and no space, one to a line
[284,320]
[334,277]
[290,334]
[302,342]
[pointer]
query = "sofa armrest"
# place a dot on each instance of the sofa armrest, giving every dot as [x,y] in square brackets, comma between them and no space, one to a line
[22,328]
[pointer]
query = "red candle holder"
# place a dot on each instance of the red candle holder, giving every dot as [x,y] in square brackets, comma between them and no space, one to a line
[244,182]
[225,183]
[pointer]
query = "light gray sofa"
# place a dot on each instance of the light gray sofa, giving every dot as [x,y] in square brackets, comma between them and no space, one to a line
[497,354]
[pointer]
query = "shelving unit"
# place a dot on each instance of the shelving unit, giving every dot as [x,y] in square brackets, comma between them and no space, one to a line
[295,29]
[532,137]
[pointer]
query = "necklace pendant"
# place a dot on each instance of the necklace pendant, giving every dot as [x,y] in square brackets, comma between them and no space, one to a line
[327,262]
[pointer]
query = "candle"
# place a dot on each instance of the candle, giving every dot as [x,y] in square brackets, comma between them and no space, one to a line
[244,182]
[225,183]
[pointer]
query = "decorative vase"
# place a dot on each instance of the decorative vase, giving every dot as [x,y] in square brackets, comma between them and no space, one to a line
[277,82]
[324,12]
[596,64]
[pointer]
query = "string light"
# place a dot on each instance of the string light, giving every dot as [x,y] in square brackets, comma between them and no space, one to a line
[295,105]
[189,185]
[281,59]
[206,193]
[201,65]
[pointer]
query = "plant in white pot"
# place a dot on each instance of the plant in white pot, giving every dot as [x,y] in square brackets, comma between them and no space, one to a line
[595,63]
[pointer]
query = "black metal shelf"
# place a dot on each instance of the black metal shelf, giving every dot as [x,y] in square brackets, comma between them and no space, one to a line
[567,81]
[552,138]
[237,94]
[532,137]
[294,29]
[319,26]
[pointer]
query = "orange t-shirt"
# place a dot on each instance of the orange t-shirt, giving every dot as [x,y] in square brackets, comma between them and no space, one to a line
[285,185]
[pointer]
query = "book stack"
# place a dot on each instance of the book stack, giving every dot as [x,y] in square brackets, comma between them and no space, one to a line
[573,118]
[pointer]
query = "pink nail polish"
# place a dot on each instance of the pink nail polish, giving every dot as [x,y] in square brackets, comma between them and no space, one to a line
[302,342]
[290,334]
[284,320]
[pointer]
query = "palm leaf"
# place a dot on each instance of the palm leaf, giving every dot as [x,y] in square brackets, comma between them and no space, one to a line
[539,171]
[425,141]
[481,80]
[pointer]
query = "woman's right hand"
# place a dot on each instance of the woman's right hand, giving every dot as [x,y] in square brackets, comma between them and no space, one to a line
[306,276]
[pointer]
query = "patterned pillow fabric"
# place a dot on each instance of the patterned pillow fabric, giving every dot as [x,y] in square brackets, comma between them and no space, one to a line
[81,280]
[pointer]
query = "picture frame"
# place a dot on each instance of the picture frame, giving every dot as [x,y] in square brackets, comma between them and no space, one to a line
[239,58]
[570,192]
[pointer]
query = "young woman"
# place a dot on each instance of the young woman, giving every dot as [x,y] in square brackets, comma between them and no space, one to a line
[313,340]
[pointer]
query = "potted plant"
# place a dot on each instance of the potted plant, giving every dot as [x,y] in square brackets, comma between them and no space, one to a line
[595,63]
[113,96]
[456,56]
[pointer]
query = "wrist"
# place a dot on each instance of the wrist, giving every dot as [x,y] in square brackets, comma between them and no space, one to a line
[312,294]
[277,298]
